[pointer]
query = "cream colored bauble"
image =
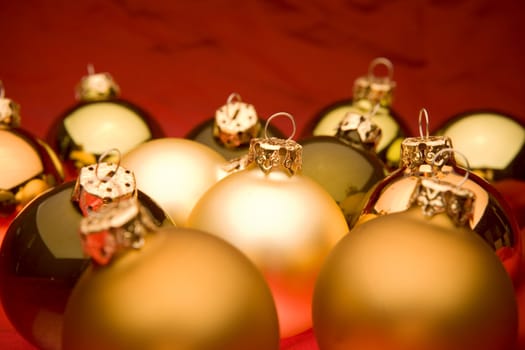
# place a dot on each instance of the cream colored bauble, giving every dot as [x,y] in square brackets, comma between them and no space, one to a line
[174,172]
[284,221]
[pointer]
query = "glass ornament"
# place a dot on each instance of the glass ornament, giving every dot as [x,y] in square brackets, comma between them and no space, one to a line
[100,120]
[41,257]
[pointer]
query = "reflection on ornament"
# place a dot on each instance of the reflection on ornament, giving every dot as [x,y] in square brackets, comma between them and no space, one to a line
[230,131]
[171,288]
[370,91]
[413,281]
[175,173]
[494,143]
[99,121]
[29,166]
[345,165]
[490,220]
[283,221]
[41,259]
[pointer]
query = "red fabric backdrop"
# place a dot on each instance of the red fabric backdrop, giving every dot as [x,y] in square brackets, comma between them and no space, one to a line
[180,60]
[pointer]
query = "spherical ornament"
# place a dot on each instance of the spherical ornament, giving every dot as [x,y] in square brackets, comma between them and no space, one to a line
[284,221]
[182,289]
[175,173]
[370,92]
[29,165]
[41,259]
[491,218]
[404,281]
[233,126]
[101,120]
[345,165]
[494,143]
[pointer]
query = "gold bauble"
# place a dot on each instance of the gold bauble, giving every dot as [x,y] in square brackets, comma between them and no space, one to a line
[174,172]
[493,143]
[284,221]
[405,282]
[184,289]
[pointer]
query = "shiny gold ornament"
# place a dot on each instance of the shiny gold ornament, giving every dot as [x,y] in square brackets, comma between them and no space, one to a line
[177,289]
[175,173]
[418,281]
[370,92]
[494,143]
[346,164]
[101,120]
[491,219]
[283,221]
[42,255]
[29,166]
[233,126]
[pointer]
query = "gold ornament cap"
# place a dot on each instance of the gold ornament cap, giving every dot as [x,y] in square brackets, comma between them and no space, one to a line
[275,153]
[417,151]
[360,130]
[103,183]
[96,87]
[114,228]
[436,197]
[377,89]
[236,123]
[9,111]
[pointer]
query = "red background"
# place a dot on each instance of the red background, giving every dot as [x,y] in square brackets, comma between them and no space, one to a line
[179,60]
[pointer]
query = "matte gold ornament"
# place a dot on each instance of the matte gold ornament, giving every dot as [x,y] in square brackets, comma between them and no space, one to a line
[433,157]
[29,166]
[100,120]
[42,255]
[229,132]
[493,142]
[175,173]
[171,288]
[346,165]
[417,279]
[370,92]
[283,221]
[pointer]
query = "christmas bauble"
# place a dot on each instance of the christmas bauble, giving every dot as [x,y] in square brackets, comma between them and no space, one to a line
[229,132]
[182,289]
[370,92]
[493,142]
[284,221]
[29,165]
[41,259]
[100,120]
[491,218]
[175,173]
[408,281]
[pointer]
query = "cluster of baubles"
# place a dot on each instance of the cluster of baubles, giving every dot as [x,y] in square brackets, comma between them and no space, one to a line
[235,236]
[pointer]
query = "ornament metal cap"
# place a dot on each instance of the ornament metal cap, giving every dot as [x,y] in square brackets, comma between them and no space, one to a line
[360,130]
[236,123]
[273,152]
[102,183]
[9,111]
[375,88]
[417,151]
[115,227]
[96,87]
[435,197]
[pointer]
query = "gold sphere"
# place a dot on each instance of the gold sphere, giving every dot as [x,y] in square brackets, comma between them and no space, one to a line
[404,282]
[174,172]
[184,289]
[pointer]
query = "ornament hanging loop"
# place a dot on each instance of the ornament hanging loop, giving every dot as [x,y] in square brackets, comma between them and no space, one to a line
[234,97]
[2,89]
[90,69]
[452,150]
[423,113]
[277,115]
[111,173]
[381,61]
